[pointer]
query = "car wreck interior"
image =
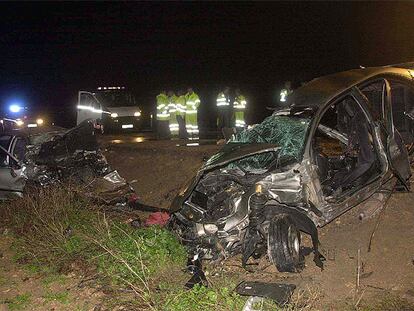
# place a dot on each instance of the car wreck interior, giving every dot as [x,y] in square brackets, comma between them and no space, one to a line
[402,99]
[402,103]
[344,148]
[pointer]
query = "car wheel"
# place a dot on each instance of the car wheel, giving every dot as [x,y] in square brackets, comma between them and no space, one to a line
[283,244]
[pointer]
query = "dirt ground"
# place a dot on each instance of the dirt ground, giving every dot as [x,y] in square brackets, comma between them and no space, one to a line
[22,288]
[160,169]
[157,169]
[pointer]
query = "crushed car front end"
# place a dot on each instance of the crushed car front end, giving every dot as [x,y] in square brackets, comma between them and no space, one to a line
[231,205]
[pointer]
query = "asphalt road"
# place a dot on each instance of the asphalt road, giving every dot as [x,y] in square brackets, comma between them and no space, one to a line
[128,139]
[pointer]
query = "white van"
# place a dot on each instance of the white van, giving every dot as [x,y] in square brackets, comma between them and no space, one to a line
[113,108]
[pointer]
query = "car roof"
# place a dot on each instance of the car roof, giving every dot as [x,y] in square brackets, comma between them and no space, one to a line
[319,91]
[409,65]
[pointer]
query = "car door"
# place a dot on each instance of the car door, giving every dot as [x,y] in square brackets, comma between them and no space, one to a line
[396,151]
[88,107]
[12,180]
[358,178]
[402,103]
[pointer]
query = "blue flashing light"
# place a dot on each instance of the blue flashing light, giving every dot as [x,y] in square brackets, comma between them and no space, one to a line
[15,108]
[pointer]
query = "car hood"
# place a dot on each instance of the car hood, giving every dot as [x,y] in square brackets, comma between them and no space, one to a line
[235,151]
[229,153]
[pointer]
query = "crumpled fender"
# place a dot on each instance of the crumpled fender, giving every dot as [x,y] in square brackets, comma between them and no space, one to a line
[303,223]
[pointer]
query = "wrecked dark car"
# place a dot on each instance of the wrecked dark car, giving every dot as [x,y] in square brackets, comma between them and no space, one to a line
[45,156]
[342,137]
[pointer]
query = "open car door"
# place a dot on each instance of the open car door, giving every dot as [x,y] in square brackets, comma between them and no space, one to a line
[12,178]
[396,151]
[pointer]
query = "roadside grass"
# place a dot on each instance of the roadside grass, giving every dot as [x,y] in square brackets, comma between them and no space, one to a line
[62,297]
[52,278]
[221,296]
[57,230]
[201,298]
[3,280]
[389,301]
[19,302]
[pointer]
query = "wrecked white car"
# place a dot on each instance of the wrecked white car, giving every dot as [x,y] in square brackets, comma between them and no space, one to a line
[342,138]
[46,156]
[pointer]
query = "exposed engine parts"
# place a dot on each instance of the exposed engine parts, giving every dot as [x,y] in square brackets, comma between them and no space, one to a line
[329,150]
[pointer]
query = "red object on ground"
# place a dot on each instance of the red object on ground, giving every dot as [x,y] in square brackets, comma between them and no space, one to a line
[157,218]
[132,198]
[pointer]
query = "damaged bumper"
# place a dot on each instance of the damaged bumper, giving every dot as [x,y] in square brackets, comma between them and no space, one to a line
[59,155]
[231,204]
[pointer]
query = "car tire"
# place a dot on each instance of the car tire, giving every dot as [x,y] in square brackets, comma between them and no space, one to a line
[283,244]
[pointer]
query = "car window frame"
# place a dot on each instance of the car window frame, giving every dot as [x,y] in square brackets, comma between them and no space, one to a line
[356,94]
[7,161]
[362,103]
[13,144]
[384,95]
[405,82]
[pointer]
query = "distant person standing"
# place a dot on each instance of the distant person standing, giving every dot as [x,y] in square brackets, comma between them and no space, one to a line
[191,114]
[181,113]
[239,108]
[285,92]
[162,116]
[172,109]
[224,120]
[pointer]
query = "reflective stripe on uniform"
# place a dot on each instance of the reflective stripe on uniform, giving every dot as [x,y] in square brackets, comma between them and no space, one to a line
[161,106]
[222,100]
[283,95]
[163,114]
[191,128]
[181,108]
[172,107]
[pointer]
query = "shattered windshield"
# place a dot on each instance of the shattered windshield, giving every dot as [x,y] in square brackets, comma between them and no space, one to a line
[287,132]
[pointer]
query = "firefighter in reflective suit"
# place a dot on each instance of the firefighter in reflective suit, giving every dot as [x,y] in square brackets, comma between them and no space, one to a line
[224,120]
[239,108]
[172,110]
[181,109]
[191,113]
[162,116]
[285,92]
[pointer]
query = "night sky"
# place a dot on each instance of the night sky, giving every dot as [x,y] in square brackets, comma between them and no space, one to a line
[50,51]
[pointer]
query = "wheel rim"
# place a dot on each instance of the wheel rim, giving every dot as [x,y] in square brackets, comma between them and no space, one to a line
[294,243]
